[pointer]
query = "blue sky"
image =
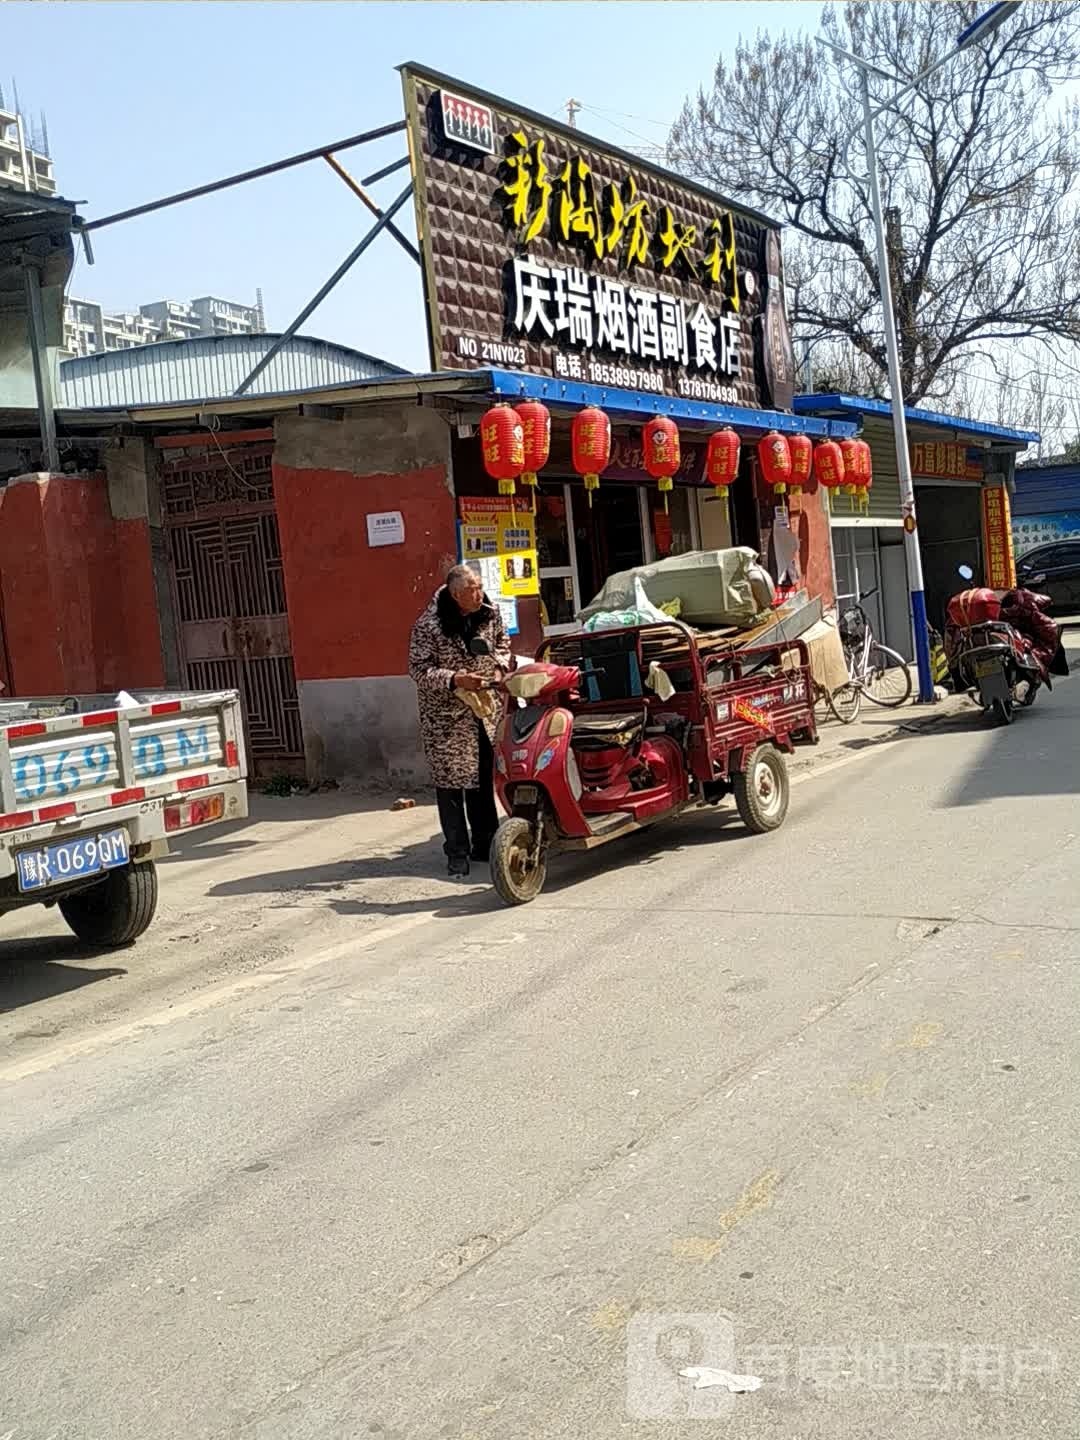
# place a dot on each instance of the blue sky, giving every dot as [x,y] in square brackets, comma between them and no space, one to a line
[146,99]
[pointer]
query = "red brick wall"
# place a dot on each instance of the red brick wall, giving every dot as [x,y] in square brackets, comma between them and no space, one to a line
[77,590]
[351,607]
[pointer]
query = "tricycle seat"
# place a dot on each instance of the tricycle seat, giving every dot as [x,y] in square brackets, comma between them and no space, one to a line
[623,728]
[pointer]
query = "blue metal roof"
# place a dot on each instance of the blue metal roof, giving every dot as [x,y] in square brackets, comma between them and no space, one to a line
[857,405]
[1046,489]
[517,385]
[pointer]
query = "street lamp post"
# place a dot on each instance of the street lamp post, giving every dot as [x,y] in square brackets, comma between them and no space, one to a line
[978,30]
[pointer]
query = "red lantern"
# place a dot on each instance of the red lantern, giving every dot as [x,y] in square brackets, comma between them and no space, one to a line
[536,427]
[502,441]
[829,465]
[590,445]
[802,459]
[849,449]
[774,457]
[722,461]
[660,443]
[863,477]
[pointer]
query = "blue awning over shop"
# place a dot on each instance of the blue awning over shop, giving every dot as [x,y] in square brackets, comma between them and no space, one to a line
[640,404]
[956,426]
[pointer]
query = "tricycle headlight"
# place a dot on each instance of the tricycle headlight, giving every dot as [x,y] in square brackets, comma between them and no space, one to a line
[573,775]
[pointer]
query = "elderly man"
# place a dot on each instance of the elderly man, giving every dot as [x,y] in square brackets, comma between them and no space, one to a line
[456,741]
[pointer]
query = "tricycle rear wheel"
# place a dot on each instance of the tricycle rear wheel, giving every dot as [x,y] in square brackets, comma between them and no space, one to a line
[762,790]
[517,872]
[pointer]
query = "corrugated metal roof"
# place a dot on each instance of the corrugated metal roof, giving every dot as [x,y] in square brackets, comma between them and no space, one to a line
[210,367]
[858,405]
[1046,489]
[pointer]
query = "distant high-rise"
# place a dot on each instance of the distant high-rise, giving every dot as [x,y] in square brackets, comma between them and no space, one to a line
[89,329]
[24,151]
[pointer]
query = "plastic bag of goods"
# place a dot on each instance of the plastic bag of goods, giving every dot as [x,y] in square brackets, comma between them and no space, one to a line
[641,611]
[714,587]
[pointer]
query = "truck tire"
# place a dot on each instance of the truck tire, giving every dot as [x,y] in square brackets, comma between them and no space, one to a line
[762,790]
[117,910]
[516,881]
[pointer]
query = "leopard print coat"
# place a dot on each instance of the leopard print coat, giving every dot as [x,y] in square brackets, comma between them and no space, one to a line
[437,651]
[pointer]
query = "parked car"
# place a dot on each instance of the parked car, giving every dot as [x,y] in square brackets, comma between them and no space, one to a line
[1059,563]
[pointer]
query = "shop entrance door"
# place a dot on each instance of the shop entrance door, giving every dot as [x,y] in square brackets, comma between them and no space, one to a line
[580,545]
[229,592]
[857,571]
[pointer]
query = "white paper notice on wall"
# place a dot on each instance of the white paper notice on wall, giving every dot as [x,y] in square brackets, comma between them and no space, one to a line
[386,527]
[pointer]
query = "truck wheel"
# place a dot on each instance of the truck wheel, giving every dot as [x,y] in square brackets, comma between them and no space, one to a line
[516,878]
[117,910]
[762,790]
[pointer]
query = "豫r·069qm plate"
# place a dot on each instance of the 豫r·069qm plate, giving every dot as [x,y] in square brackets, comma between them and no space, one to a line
[69,860]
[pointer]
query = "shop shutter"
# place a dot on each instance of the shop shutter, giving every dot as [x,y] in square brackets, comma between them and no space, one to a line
[885,491]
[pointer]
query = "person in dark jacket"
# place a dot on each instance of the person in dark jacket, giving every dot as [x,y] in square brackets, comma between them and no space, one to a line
[457,742]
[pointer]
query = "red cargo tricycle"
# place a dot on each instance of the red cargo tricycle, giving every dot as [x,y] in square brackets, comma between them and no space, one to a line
[589,749]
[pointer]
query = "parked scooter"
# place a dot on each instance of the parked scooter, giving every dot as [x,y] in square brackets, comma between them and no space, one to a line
[1001,647]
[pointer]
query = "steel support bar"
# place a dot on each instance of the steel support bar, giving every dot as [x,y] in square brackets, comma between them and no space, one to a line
[314,303]
[377,175]
[256,174]
[361,194]
[42,373]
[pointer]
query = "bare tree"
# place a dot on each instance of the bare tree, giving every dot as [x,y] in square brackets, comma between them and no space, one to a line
[977,167]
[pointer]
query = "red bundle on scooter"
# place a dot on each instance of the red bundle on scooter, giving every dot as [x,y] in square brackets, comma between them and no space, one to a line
[973,607]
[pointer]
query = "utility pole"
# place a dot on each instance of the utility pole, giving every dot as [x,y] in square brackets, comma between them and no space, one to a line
[572,108]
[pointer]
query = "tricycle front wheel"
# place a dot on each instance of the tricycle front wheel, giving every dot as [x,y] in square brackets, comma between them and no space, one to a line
[762,790]
[518,869]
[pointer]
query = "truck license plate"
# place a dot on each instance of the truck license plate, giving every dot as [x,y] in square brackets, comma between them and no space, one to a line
[71,859]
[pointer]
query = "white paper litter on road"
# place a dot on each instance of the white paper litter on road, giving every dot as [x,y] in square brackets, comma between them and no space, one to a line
[705,1375]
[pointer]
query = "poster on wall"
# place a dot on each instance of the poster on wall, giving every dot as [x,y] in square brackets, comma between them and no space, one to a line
[1031,530]
[548,250]
[997,539]
[497,536]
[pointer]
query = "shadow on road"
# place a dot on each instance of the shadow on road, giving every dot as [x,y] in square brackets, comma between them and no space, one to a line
[1036,755]
[34,969]
[423,862]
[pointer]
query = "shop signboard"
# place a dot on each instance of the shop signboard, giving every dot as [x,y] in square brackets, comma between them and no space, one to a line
[997,539]
[943,460]
[548,251]
[1031,530]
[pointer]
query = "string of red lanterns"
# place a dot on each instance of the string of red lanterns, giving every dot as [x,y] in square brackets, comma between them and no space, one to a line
[516,444]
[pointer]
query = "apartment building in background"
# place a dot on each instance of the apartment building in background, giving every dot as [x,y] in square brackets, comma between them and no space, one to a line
[24,152]
[89,329]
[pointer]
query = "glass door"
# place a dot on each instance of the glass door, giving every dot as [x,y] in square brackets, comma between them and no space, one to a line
[560,597]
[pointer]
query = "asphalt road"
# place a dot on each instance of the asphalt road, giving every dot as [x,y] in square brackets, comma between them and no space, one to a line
[344,1152]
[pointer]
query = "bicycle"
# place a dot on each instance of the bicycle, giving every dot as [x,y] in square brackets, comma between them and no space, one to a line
[877,672]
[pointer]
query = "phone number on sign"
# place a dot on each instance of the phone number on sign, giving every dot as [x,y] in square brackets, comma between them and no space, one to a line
[693,389]
[626,376]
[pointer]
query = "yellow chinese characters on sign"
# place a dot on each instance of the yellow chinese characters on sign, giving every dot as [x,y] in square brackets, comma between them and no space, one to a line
[938,460]
[997,539]
[501,531]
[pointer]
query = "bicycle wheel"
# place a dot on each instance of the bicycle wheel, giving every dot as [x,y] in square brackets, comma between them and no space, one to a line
[888,679]
[845,702]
